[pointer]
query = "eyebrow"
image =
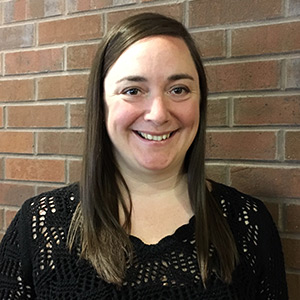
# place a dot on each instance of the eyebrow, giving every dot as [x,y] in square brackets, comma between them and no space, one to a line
[174,77]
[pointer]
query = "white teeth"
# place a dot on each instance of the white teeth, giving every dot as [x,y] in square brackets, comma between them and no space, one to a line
[154,137]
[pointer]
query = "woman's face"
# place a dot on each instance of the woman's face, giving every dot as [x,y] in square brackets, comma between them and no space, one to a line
[152,99]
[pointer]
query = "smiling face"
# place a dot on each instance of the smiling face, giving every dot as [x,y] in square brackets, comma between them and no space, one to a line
[152,99]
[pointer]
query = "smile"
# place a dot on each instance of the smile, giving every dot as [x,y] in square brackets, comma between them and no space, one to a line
[150,137]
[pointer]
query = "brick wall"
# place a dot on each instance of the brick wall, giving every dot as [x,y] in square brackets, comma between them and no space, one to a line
[251,51]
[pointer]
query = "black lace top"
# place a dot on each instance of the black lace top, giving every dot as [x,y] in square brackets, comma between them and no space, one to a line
[35,264]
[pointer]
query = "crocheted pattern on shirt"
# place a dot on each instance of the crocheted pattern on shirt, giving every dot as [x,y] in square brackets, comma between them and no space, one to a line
[35,264]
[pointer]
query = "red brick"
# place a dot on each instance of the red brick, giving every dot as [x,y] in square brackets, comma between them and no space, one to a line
[267,110]
[1,219]
[266,39]
[1,13]
[81,57]
[47,188]
[211,43]
[16,90]
[9,215]
[267,181]
[273,210]
[82,5]
[77,115]
[171,10]
[35,169]
[217,112]
[59,87]
[16,142]
[292,145]
[15,194]
[14,10]
[69,143]
[36,116]
[44,8]
[19,10]
[1,69]
[70,30]
[1,116]
[241,145]
[216,173]
[204,13]
[291,250]
[262,75]
[293,73]
[1,168]
[20,36]
[74,170]
[292,220]
[294,7]
[34,61]
[293,281]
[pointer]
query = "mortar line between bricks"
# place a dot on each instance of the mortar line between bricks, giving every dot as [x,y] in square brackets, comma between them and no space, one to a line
[44,75]
[254,58]
[4,117]
[35,141]
[279,201]
[35,88]
[100,11]
[280,145]
[286,4]
[230,113]
[238,25]
[40,156]
[236,130]
[292,236]
[255,164]
[31,183]
[45,102]
[3,64]
[42,103]
[228,43]
[52,46]
[246,24]
[104,23]
[68,115]
[283,73]
[251,94]
[186,13]
[292,271]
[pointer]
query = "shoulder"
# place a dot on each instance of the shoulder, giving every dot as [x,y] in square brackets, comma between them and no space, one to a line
[236,204]
[53,208]
[59,200]
[248,218]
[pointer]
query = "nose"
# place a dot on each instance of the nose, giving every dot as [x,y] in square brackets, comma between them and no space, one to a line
[157,111]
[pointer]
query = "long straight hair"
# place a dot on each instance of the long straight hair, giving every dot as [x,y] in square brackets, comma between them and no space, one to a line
[104,242]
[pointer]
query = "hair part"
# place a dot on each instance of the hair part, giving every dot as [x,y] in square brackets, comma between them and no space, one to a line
[104,242]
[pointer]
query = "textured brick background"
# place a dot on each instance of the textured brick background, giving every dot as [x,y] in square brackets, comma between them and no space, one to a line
[251,50]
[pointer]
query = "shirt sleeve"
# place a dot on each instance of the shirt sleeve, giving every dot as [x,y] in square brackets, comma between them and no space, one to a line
[14,282]
[272,278]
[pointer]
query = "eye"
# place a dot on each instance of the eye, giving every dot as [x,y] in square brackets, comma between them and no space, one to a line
[131,91]
[179,91]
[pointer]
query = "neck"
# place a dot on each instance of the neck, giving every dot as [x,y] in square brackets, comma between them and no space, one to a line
[155,183]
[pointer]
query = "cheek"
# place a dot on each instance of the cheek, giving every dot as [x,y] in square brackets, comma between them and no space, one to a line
[190,115]
[119,118]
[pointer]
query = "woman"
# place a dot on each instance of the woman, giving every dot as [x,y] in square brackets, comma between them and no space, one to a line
[144,222]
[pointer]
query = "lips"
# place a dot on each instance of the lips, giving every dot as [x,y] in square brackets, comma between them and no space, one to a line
[152,137]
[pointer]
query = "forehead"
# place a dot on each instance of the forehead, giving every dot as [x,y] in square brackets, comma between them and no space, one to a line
[155,52]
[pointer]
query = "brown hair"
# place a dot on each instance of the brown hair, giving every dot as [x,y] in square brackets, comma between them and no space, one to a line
[104,242]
